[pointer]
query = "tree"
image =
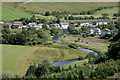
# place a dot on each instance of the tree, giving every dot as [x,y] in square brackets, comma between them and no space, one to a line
[58,20]
[54,30]
[114,50]
[90,55]
[33,19]
[47,13]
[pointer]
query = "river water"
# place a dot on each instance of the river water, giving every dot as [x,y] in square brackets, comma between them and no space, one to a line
[57,38]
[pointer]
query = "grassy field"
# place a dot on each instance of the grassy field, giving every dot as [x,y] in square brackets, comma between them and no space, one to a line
[12,11]
[10,14]
[16,59]
[97,14]
[93,43]
[66,6]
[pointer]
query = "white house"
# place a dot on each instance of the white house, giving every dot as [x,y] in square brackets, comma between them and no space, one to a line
[97,31]
[99,23]
[55,25]
[1,23]
[32,24]
[84,23]
[105,31]
[90,31]
[114,31]
[24,27]
[64,25]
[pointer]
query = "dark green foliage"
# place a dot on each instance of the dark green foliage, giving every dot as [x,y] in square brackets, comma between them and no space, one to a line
[90,55]
[73,46]
[114,50]
[54,31]
[5,26]
[81,58]
[47,13]
[24,37]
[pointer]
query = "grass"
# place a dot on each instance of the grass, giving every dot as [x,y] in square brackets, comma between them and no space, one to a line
[97,14]
[16,59]
[13,11]
[66,6]
[10,14]
[99,47]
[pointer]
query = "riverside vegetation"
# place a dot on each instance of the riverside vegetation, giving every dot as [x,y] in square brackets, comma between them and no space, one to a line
[31,53]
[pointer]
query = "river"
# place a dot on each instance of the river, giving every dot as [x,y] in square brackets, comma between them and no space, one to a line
[57,38]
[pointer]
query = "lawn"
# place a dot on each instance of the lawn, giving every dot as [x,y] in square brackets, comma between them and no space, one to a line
[10,14]
[95,44]
[16,59]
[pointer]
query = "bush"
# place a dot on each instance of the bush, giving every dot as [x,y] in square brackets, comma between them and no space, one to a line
[73,46]
[81,58]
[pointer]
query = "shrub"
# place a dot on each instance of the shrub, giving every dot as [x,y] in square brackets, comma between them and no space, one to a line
[81,58]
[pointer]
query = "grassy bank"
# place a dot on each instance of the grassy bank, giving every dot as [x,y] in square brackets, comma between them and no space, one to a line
[16,59]
[89,42]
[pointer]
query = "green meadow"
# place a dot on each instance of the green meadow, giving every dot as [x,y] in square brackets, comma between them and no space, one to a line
[11,14]
[16,59]
[92,43]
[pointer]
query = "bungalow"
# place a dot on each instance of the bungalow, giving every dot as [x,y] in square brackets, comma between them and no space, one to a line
[114,31]
[83,23]
[24,27]
[55,25]
[32,24]
[97,31]
[19,24]
[99,23]
[1,23]
[39,26]
[90,31]
[64,25]
[105,31]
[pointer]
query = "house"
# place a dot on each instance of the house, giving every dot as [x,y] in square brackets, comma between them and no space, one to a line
[19,24]
[84,23]
[114,31]
[32,24]
[64,25]
[97,31]
[1,23]
[105,31]
[39,26]
[24,27]
[90,31]
[99,23]
[55,25]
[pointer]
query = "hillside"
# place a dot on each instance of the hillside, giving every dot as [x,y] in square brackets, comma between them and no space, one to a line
[18,10]
[22,56]
[10,14]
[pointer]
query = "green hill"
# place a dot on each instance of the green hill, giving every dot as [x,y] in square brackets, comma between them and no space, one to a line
[10,14]
[17,10]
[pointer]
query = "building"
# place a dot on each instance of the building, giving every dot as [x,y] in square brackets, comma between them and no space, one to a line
[1,23]
[18,24]
[90,31]
[24,27]
[97,31]
[83,23]
[55,25]
[32,25]
[99,23]
[105,31]
[64,25]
